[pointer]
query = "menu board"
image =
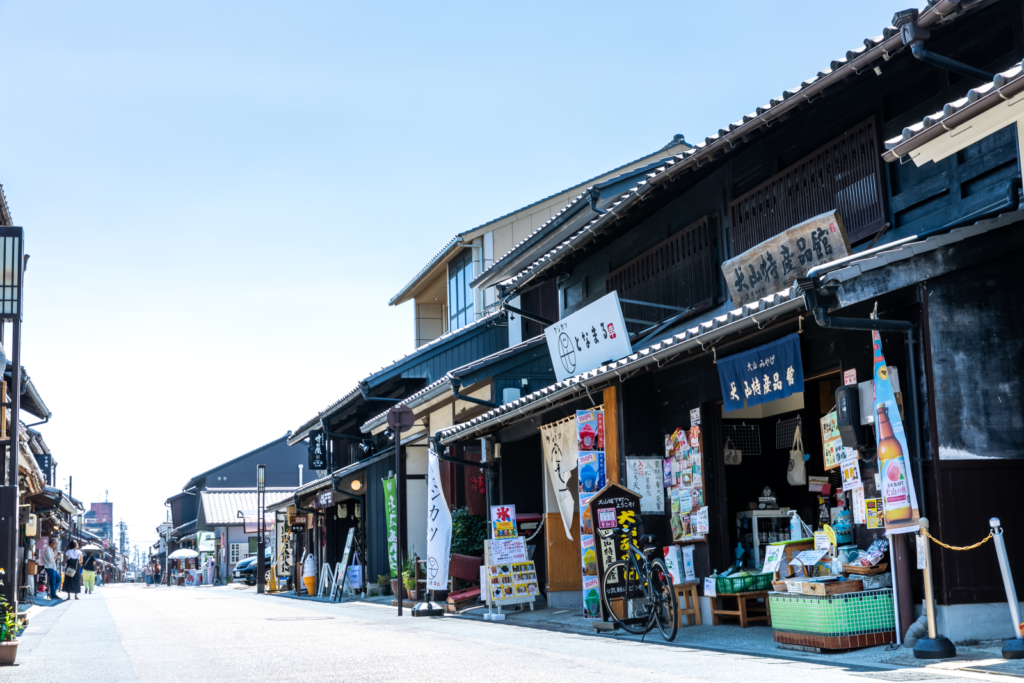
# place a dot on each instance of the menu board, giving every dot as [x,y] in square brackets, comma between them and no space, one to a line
[513,580]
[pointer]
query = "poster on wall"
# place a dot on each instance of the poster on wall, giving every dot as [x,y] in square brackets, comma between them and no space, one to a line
[645,476]
[874,514]
[558,442]
[898,495]
[851,474]
[590,467]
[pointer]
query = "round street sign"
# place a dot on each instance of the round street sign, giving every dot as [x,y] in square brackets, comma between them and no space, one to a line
[400,419]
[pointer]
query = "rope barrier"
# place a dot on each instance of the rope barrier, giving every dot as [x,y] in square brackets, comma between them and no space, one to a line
[953,547]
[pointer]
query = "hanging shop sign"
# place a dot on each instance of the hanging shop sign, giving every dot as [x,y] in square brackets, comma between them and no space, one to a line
[317,448]
[439,527]
[591,477]
[763,374]
[774,265]
[391,521]
[588,338]
[898,496]
[558,442]
[646,476]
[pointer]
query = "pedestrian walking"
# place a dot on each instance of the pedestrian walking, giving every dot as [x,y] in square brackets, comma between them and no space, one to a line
[147,575]
[50,565]
[72,570]
[89,573]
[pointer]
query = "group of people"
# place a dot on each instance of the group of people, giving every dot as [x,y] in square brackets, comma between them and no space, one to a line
[151,573]
[79,570]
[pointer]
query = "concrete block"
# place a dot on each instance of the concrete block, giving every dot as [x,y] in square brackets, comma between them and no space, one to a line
[983,621]
[566,599]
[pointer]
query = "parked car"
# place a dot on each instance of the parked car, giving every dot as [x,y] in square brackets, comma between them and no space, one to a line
[129,577]
[246,569]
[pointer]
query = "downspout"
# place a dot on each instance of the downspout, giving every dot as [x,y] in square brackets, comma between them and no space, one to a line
[365,391]
[914,35]
[595,196]
[457,384]
[440,450]
[818,301]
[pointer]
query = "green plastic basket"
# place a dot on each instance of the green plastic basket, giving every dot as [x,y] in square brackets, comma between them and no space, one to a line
[743,584]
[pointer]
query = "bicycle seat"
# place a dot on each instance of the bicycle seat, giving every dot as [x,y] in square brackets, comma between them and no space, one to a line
[647,539]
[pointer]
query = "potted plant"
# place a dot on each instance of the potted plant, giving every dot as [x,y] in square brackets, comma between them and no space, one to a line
[9,630]
[396,587]
[468,533]
[384,580]
[409,577]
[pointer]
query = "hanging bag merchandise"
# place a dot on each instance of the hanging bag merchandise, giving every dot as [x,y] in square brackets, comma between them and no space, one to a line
[796,474]
[733,455]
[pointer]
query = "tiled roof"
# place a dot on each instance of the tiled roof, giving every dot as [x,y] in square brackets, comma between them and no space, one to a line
[1003,87]
[733,134]
[221,506]
[452,243]
[438,387]
[703,334]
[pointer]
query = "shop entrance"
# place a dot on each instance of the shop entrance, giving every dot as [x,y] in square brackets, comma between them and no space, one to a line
[521,483]
[763,437]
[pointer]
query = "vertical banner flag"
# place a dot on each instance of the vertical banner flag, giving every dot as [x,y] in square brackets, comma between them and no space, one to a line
[898,496]
[591,476]
[558,441]
[391,522]
[439,528]
[762,374]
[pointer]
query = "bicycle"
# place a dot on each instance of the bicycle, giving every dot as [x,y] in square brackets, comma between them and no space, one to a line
[642,585]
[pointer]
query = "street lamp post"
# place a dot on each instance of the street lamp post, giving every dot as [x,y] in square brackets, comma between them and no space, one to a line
[12,263]
[261,536]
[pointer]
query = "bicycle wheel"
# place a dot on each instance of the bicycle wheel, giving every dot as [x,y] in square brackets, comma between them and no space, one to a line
[666,608]
[613,606]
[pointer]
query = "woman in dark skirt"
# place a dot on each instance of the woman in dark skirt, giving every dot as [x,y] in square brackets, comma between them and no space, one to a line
[73,560]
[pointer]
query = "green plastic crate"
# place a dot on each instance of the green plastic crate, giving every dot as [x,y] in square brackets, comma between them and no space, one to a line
[743,584]
[835,615]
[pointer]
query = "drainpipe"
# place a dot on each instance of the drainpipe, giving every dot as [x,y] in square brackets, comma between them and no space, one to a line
[819,301]
[914,35]
[457,384]
[595,196]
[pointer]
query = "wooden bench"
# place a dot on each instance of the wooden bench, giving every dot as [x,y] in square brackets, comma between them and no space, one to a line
[744,612]
[687,604]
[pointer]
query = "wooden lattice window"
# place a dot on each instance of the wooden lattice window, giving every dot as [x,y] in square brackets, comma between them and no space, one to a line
[845,174]
[682,272]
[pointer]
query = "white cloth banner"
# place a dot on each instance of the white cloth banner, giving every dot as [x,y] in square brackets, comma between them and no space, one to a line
[439,528]
[560,450]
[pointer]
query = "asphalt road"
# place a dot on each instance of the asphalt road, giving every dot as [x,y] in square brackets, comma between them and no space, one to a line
[134,633]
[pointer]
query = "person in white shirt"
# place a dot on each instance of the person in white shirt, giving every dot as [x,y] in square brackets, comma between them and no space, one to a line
[73,570]
[49,558]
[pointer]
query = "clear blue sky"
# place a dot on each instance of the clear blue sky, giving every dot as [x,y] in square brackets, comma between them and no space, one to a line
[220,198]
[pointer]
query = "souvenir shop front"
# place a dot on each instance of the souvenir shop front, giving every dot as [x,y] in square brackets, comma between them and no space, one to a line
[766,437]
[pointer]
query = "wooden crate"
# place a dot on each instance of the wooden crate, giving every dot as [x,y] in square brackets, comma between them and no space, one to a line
[833,587]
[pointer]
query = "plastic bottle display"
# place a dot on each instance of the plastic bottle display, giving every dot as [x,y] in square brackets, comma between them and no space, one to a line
[891,464]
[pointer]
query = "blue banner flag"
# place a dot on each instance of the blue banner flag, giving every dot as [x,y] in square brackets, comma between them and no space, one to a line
[767,373]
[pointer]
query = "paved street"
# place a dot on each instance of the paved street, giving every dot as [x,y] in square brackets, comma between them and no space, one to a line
[133,633]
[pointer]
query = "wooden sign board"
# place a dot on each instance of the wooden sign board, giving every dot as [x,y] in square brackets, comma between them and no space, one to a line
[773,265]
[611,507]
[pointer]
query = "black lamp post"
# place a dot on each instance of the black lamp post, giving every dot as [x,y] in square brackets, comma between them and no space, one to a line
[12,269]
[261,537]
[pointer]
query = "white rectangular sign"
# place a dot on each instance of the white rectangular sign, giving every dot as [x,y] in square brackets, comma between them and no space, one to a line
[645,476]
[588,338]
[508,550]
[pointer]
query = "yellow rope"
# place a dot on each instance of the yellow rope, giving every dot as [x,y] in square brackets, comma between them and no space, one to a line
[953,547]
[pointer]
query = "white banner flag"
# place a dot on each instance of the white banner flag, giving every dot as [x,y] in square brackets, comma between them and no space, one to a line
[439,528]
[560,450]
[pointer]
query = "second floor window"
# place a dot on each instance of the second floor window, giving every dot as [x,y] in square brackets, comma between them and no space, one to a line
[460,296]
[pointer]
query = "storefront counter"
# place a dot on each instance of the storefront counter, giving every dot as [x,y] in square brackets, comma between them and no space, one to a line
[834,622]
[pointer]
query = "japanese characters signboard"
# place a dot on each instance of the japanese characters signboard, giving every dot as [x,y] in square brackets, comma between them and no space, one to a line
[503,522]
[616,502]
[391,522]
[317,450]
[773,265]
[588,338]
[591,474]
[763,374]
[508,550]
[439,528]
[646,476]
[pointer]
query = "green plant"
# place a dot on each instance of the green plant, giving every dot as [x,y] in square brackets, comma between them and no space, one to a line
[385,579]
[409,572]
[9,627]
[468,533]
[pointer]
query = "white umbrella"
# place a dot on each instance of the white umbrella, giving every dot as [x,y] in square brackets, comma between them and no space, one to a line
[92,548]
[183,554]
